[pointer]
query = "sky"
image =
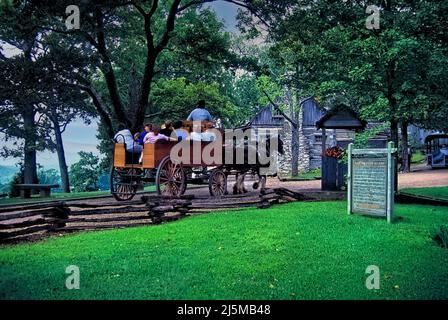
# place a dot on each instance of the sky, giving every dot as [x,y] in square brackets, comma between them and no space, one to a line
[225,11]
[80,137]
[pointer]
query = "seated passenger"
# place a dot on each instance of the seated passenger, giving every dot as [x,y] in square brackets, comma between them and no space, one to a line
[182,134]
[196,134]
[168,128]
[152,137]
[155,135]
[208,135]
[200,113]
[146,129]
[125,136]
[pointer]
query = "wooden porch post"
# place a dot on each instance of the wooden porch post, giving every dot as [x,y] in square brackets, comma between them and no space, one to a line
[324,143]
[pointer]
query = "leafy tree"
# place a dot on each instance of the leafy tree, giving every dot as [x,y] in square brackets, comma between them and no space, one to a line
[148,26]
[49,176]
[84,174]
[198,62]
[175,99]
[396,74]
[18,110]
[35,102]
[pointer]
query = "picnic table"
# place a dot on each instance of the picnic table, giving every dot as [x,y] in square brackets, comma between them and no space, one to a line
[26,188]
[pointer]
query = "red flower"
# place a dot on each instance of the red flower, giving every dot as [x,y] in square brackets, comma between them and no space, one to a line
[334,152]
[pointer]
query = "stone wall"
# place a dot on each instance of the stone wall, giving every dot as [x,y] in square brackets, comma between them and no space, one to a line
[285,159]
[304,146]
[310,146]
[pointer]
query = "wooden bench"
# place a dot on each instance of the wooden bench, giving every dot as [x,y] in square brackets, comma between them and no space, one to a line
[44,189]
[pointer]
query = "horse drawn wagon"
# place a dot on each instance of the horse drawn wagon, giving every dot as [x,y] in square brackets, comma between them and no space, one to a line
[164,164]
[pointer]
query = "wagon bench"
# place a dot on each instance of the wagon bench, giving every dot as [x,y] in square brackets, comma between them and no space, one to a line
[44,189]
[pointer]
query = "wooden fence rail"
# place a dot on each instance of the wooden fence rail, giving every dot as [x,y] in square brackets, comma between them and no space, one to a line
[36,221]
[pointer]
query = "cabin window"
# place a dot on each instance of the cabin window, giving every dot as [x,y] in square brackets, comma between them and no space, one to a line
[318,138]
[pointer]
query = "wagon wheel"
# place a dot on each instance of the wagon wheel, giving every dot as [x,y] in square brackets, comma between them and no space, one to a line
[217,183]
[124,182]
[170,178]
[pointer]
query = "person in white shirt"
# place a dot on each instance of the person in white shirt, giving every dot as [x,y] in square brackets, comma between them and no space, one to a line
[208,135]
[197,135]
[125,136]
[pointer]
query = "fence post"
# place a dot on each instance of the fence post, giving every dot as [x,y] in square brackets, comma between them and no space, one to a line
[390,181]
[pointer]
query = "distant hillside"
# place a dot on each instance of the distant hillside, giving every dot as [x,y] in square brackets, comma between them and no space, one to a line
[6,173]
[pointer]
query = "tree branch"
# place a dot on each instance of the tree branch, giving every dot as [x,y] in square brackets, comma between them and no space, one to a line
[99,107]
[250,9]
[108,71]
[169,27]
[279,110]
[64,125]
[192,3]
[153,9]
[85,34]
[139,8]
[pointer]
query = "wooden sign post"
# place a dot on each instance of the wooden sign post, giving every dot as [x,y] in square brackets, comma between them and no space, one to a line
[371,181]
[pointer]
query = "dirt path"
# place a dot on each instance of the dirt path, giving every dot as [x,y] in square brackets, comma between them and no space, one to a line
[422,176]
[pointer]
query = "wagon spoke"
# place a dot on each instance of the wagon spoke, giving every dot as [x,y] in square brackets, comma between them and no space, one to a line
[170,178]
[217,183]
[123,183]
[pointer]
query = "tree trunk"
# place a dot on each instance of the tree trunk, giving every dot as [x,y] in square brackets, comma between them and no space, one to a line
[61,157]
[28,114]
[405,161]
[30,166]
[394,132]
[142,104]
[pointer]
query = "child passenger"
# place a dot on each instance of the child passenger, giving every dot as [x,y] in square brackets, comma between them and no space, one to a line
[147,129]
[181,133]
[154,135]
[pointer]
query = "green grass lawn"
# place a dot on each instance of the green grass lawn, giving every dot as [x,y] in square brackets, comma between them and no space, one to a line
[293,251]
[418,157]
[432,192]
[309,175]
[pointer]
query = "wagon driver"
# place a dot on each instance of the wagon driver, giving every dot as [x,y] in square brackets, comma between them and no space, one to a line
[200,113]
